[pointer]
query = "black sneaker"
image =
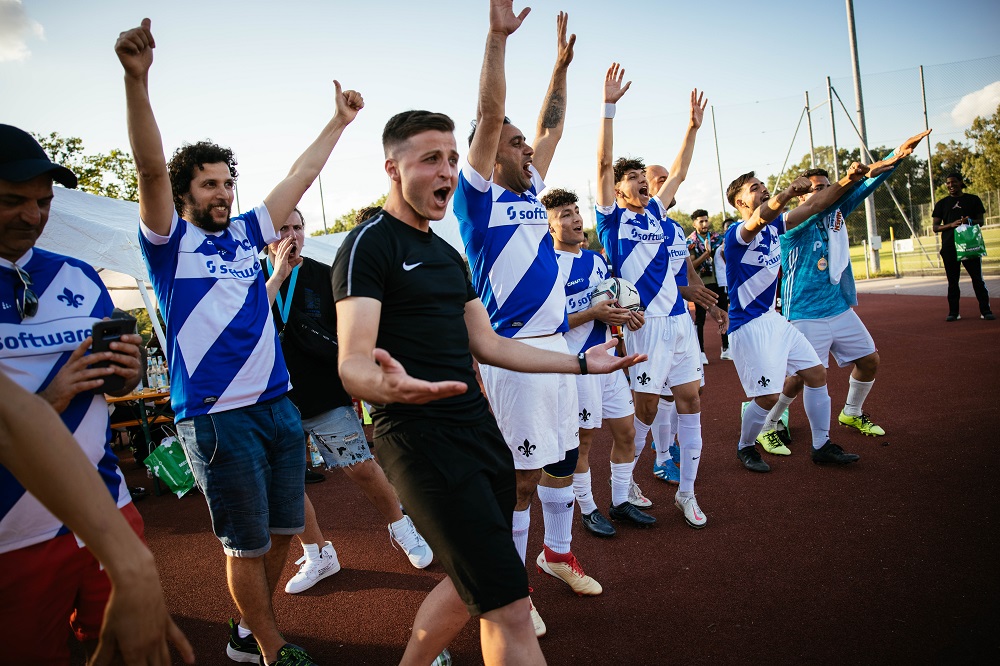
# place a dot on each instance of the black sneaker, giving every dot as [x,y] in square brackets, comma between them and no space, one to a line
[243,650]
[751,459]
[953,317]
[988,316]
[291,655]
[597,524]
[628,512]
[314,477]
[783,434]
[831,453]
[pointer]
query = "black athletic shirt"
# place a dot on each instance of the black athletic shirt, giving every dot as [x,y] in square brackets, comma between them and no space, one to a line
[950,209]
[316,386]
[423,286]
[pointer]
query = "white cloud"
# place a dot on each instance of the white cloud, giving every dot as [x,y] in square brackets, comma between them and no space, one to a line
[15,29]
[983,102]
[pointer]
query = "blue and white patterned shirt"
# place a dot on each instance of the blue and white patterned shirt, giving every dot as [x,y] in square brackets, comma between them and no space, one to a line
[510,251]
[71,298]
[752,271]
[647,249]
[221,343]
[584,270]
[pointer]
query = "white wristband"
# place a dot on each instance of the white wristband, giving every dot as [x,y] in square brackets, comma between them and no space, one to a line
[609,111]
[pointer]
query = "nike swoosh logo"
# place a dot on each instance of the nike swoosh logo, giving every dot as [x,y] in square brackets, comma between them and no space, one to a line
[410,267]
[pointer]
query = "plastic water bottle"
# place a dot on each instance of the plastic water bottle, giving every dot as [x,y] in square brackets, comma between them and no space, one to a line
[315,458]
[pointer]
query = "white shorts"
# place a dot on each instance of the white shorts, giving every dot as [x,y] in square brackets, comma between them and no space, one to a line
[674,357]
[537,413]
[603,397]
[844,336]
[768,349]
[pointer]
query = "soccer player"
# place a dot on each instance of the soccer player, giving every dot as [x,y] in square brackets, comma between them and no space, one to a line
[602,397]
[649,249]
[765,346]
[240,432]
[401,287]
[517,276]
[819,294]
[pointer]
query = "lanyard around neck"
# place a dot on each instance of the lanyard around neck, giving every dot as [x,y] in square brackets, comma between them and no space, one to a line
[284,307]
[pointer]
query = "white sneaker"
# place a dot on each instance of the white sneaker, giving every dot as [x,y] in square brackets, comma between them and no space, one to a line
[693,514]
[726,355]
[704,359]
[536,620]
[405,534]
[636,498]
[313,571]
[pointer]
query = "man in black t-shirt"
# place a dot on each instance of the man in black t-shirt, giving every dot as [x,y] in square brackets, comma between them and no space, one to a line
[306,317]
[956,209]
[408,324]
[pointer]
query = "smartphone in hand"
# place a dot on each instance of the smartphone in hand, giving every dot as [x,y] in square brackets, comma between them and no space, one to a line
[104,333]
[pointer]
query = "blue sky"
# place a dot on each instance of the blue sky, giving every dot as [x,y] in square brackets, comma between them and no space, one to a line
[256,76]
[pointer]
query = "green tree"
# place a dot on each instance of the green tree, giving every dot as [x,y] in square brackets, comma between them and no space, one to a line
[109,174]
[348,220]
[982,167]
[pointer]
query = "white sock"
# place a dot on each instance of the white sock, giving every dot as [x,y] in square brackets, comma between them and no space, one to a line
[689,437]
[522,520]
[557,513]
[582,490]
[664,428]
[311,550]
[641,430]
[817,404]
[856,395]
[243,631]
[784,402]
[753,418]
[621,479]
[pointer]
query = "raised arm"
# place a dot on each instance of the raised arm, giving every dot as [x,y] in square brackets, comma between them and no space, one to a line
[679,169]
[613,91]
[825,199]
[553,114]
[47,461]
[286,195]
[372,374]
[493,87]
[770,209]
[156,201]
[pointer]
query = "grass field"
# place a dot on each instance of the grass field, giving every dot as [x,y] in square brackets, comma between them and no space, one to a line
[916,263]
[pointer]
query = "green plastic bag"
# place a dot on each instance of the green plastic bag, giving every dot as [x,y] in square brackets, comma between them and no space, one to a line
[168,462]
[969,241]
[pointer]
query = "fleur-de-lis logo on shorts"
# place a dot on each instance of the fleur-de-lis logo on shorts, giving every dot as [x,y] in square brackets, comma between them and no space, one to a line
[644,379]
[71,299]
[584,415]
[527,448]
[763,381]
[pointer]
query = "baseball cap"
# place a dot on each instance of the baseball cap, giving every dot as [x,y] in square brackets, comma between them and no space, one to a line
[23,158]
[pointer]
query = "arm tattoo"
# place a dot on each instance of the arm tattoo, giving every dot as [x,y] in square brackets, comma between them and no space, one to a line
[555,111]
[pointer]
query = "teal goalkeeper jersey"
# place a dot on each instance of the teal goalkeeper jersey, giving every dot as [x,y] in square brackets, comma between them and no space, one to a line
[807,291]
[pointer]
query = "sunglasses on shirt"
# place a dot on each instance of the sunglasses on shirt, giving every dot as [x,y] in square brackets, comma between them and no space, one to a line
[27,305]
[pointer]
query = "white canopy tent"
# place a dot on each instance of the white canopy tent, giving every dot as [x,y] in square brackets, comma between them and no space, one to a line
[104,233]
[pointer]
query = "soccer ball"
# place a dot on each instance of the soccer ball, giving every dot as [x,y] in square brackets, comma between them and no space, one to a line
[617,289]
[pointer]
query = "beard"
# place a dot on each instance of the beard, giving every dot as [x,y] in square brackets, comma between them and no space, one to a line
[202,218]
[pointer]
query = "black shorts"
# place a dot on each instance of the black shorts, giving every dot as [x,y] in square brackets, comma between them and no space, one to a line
[458,486]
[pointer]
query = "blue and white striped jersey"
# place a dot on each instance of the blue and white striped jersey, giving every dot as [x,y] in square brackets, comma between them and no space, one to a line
[752,271]
[510,251]
[647,249]
[585,270]
[221,342]
[71,298]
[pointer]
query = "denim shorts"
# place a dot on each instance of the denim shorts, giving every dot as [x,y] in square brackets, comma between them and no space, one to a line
[339,436]
[250,464]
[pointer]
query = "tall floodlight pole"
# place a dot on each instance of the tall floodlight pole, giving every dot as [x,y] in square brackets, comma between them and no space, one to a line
[873,239]
[809,124]
[833,129]
[322,205]
[718,163]
[930,168]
